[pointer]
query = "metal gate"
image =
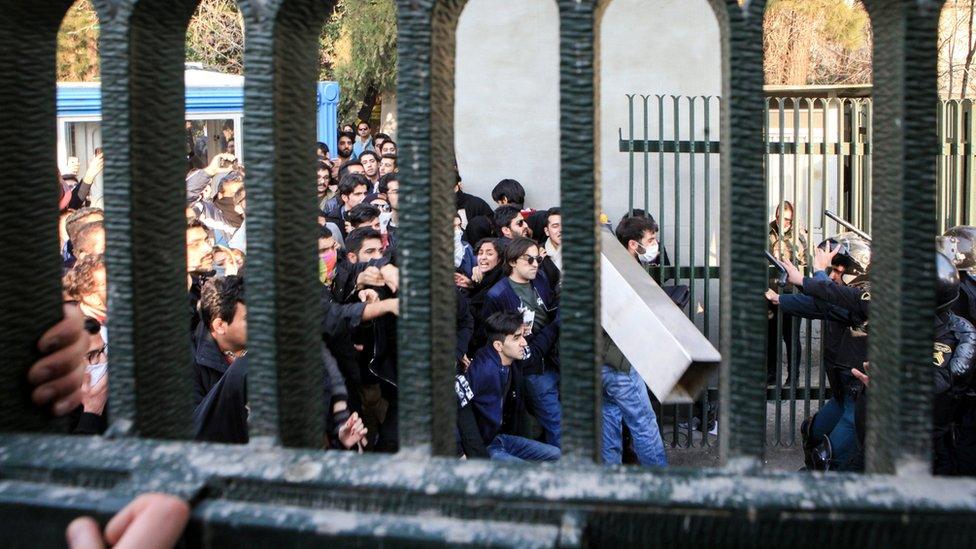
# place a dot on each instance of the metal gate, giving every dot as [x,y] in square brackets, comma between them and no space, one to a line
[279,489]
[818,156]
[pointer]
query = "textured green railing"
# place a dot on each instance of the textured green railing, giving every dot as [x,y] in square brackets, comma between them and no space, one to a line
[275,491]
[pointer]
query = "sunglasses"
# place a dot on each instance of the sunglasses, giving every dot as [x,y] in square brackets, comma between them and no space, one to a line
[532,259]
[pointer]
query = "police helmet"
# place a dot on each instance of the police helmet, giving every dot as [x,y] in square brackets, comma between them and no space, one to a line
[959,243]
[947,281]
[854,255]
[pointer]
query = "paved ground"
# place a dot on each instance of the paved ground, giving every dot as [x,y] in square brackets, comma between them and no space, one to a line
[779,457]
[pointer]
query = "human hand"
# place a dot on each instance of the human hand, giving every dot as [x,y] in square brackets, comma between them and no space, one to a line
[863,377]
[793,275]
[461,281]
[95,166]
[73,165]
[772,296]
[370,276]
[466,362]
[57,376]
[215,165]
[391,276]
[368,296]
[392,306]
[823,258]
[476,274]
[93,399]
[151,521]
[353,432]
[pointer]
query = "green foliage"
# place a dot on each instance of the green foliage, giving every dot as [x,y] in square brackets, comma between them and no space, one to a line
[215,36]
[357,45]
[843,23]
[363,34]
[77,57]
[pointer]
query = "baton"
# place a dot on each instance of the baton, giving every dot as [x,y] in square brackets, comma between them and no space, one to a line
[847,225]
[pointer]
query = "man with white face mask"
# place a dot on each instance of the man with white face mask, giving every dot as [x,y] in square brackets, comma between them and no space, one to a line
[639,235]
[638,232]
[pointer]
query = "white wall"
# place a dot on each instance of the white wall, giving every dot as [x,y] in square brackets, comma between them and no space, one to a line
[507,97]
[658,47]
[507,82]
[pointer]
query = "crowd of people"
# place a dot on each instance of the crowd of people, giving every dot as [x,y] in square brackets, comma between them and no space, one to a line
[508,265]
[508,272]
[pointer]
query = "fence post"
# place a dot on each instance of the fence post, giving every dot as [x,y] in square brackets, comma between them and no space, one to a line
[743,330]
[900,345]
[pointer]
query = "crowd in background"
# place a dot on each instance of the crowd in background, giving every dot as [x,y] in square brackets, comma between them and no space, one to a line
[508,265]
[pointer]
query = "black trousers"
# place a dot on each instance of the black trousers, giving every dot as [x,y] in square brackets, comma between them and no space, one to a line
[790,333]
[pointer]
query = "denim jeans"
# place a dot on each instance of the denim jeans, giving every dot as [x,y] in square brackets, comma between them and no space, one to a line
[542,401]
[514,448]
[836,420]
[625,400]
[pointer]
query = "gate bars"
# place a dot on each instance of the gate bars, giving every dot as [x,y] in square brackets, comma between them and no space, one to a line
[274,490]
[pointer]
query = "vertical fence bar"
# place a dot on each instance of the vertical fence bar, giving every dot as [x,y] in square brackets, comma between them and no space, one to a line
[742,394]
[28,214]
[660,163]
[630,154]
[150,394]
[959,159]
[691,207]
[692,279]
[841,147]
[580,335]
[950,162]
[905,72]
[646,156]
[869,164]
[676,180]
[706,291]
[284,355]
[793,357]
[425,94]
[940,168]
[811,104]
[970,195]
[778,380]
[855,161]
[824,188]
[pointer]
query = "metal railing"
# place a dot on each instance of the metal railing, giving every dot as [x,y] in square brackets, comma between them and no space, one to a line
[282,489]
[818,153]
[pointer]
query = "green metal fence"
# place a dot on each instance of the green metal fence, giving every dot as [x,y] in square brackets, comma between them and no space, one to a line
[281,488]
[818,156]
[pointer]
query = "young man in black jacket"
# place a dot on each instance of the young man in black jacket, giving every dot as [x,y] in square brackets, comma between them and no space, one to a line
[224,337]
[489,397]
[222,414]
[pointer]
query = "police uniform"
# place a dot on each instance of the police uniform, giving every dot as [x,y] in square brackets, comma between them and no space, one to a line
[952,433]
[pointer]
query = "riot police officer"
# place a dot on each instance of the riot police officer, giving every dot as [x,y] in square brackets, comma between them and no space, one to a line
[959,243]
[954,426]
[838,293]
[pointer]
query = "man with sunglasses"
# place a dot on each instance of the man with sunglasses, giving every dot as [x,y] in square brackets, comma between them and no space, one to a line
[526,290]
[839,293]
[510,224]
[364,139]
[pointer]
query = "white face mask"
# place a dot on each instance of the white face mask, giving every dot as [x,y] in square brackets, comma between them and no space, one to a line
[650,253]
[97,372]
[385,218]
